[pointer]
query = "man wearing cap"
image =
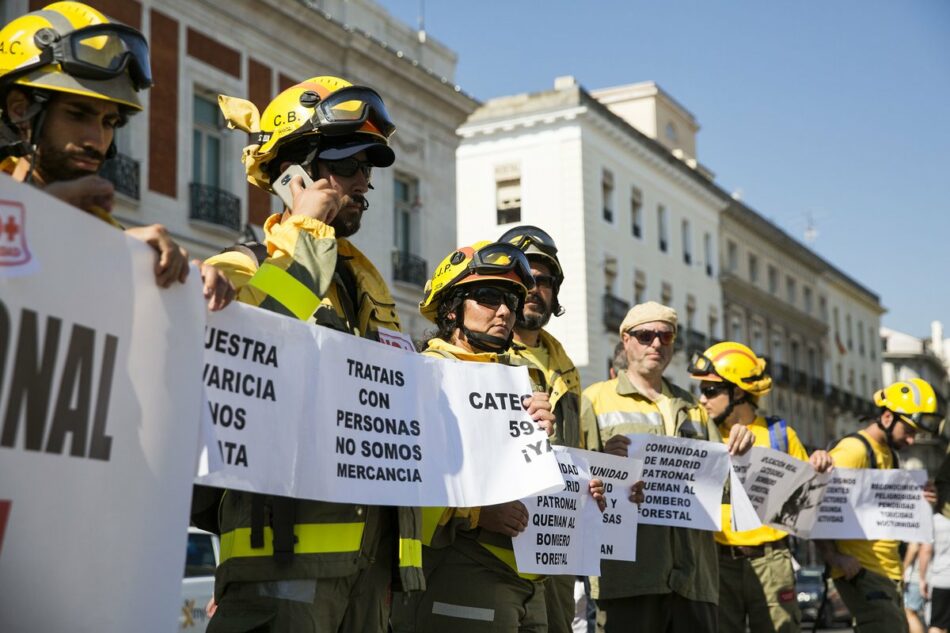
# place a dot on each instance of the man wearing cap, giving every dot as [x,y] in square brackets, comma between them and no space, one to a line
[552,368]
[674,584]
[868,574]
[288,564]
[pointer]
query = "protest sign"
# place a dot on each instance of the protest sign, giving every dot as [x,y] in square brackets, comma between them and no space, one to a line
[567,533]
[309,412]
[684,480]
[559,538]
[874,504]
[783,490]
[100,398]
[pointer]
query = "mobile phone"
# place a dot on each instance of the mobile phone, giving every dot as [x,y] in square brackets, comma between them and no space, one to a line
[281,186]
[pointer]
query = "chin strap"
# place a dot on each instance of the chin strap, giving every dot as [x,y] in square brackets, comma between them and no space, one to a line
[887,432]
[721,418]
[487,342]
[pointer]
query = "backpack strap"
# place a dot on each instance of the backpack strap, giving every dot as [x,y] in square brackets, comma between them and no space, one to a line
[778,433]
[867,447]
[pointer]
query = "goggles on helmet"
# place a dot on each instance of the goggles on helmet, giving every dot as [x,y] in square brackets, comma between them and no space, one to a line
[499,258]
[346,110]
[100,51]
[701,365]
[929,422]
[524,236]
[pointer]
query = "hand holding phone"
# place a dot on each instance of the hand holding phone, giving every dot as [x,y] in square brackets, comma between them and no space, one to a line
[281,186]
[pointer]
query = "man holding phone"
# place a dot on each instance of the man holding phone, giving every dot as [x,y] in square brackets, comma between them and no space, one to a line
[287,564]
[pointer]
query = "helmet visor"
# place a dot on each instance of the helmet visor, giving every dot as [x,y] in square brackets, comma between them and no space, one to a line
[498,258]
[525,236]
[700,366]
[104,51]
[929,422]
[346,110]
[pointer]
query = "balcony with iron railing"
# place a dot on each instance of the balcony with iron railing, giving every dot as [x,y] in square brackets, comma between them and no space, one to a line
[817,387]
[409,268]
[615,309]
[799,381]
[215,206]
[695,341]
[781,375]
[123,172]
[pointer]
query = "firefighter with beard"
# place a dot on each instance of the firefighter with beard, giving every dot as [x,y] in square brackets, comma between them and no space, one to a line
[554,371]
[295,565]
[69,78]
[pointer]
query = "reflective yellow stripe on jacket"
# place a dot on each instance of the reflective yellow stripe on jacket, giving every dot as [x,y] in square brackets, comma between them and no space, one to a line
[312,538]
[507,556]
[286,290]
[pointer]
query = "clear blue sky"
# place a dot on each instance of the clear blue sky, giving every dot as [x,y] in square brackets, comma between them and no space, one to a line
[835,108]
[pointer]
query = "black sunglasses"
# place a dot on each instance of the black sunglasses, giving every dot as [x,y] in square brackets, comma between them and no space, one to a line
[347,167]
[646,337]
[711,391]
[492,297]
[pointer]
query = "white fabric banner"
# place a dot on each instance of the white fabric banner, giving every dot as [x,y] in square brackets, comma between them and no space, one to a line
[308,412]
[567,534]
[684,480]
[100,398]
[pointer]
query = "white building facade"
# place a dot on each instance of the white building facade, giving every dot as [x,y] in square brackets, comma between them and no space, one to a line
[632,221]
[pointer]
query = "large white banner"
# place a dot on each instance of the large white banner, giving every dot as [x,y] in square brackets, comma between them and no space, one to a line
[684,480]
[309,412]
[844,503]
[100,397]
[567,533]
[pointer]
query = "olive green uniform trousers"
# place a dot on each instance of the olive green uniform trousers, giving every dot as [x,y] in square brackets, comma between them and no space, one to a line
[876,603]
[761,589]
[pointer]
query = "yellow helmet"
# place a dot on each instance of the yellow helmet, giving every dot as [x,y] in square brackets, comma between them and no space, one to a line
[914,401]
[71,47]
[346,116]
[482,261]
[735,363]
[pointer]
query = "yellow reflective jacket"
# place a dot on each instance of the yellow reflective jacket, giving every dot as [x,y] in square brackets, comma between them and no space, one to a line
[668,559]
[562,381]
[458,527]
[304,276]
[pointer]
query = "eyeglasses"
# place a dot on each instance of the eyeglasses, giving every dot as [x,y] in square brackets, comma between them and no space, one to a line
[711,391]
[646,337]
[544,280]
[347,167]
[100,52]
[492,297]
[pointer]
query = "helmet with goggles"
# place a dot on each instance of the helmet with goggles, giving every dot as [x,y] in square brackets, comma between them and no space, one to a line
[331,117]
[913,401]
[71,47]
[733,363]
[536,243]
[481,262]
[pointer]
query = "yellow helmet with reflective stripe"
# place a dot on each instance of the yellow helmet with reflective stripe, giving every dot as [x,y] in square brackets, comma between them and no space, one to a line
[480,262]
[73,48]
[326,105]
[914,401]
[735,363]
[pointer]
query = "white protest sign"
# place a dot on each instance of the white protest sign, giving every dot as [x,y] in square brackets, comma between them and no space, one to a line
[555,541]
[100,400]
[684,480]
[309,412]
[567,534]
[875,504]
[781,488]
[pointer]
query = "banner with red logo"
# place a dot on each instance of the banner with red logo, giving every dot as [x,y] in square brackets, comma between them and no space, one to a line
[100,400]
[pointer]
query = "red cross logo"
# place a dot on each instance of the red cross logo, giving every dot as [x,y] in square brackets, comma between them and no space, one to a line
[11,228]
[13,248]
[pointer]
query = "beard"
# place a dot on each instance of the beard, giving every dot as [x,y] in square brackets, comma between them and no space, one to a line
[535,320]
[347,222]
[53,164]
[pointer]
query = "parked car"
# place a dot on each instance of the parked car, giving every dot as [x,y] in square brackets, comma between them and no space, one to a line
[808,584]
[197,586]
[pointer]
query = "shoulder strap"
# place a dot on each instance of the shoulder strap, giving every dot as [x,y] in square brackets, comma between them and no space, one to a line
[254,250]
[778,433]
[867,447]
